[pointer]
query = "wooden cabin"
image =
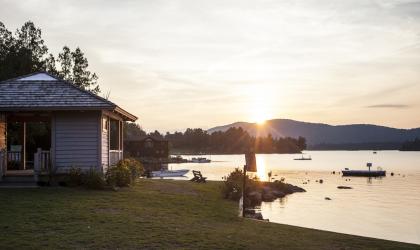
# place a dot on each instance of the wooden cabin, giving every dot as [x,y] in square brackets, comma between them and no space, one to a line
[48,123]
[147,147]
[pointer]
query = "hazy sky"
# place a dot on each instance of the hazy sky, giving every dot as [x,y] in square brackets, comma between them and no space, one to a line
[178,64]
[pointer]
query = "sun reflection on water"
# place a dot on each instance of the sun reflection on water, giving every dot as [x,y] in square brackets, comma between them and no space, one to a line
[261,171]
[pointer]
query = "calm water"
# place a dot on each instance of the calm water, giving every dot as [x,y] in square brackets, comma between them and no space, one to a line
[387,208]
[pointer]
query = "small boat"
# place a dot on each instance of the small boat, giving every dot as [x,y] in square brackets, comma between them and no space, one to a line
[200,160]
[365,173]
[302,158]
[169,173]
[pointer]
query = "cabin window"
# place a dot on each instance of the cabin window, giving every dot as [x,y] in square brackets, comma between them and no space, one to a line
[115,134]
[148,143]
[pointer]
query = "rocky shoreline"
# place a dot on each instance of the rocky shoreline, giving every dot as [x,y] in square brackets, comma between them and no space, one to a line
[266,192]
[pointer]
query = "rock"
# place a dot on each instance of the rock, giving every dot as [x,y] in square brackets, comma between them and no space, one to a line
[258,216]
[344,187]
[255,216]
[254,198]
[392,173]
[278,194]
[268,197]
[296,189]
[266,189]
[249,211]
[327,198]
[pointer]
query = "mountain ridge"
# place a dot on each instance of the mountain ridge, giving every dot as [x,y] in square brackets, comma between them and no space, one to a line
[322,133]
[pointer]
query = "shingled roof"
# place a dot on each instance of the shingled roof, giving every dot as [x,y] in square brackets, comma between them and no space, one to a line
[42,91]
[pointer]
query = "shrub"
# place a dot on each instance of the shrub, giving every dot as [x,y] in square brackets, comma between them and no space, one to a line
[75,177]
[124,173]
[119,175]
[136,168]
[93,179]
[232,188]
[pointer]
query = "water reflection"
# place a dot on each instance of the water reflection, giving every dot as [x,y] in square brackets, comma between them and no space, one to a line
[261,171]
[385,208]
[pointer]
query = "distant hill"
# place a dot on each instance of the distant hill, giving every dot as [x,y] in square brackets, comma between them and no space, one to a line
[324,136]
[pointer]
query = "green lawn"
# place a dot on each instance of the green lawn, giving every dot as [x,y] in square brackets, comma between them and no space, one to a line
[153,214]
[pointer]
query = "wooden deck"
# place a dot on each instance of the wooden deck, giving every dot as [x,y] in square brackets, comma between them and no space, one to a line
[26,172]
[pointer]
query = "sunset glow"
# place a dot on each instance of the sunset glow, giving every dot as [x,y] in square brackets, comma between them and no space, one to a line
[261,168]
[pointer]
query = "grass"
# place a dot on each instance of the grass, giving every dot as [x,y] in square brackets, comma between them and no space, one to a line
[153,214]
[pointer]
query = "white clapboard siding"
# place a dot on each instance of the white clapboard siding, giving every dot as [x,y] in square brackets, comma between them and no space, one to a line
[76,139]
[105,149]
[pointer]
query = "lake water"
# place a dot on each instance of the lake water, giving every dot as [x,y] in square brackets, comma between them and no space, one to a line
[386,208]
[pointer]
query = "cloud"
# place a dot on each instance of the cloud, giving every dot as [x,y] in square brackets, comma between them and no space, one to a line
[392,106]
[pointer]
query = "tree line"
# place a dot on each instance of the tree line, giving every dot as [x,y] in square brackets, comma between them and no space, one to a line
[413,145]
[232,141]
[24,52]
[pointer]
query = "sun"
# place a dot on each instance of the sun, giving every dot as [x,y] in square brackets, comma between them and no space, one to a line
[260,115]
[260,121]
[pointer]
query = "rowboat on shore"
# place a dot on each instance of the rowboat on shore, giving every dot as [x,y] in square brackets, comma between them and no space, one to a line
[169,173]
[364,173]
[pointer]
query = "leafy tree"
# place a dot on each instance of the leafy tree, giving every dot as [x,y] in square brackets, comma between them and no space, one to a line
[66,64]
[25,52]
[231,141]
[81,76]
[133,130]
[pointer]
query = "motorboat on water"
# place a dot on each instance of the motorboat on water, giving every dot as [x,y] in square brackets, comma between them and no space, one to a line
[200,160]
[365,173]
[303,158]
[169,173]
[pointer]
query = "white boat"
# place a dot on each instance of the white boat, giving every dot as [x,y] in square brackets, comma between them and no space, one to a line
[169,173]
[200,160]
[302,158]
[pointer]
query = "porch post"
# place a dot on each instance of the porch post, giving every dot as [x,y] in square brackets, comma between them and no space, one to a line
[23,153]
[3,144]
[37,165]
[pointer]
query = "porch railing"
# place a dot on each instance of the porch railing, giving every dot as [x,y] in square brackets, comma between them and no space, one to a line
[42,161]
[14,156]
[115,156]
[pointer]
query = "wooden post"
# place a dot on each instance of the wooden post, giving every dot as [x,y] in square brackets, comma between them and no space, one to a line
[2,160]
[23,150]
[37,165]
[243,192]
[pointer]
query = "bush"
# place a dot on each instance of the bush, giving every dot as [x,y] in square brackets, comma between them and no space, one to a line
[93,179]
[136,168]
[75,177]
[232,188]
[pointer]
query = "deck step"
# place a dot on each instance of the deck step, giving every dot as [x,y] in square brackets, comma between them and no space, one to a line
[18,185]
[17,179]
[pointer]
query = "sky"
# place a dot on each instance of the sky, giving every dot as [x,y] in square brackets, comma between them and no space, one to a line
[190,63]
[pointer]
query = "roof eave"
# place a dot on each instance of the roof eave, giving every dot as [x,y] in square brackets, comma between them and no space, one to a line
[125,114]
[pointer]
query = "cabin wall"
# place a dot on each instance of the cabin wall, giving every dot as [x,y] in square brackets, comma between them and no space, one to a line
[76,140]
